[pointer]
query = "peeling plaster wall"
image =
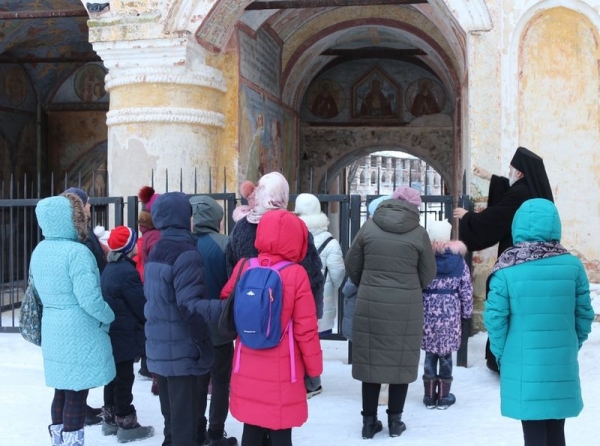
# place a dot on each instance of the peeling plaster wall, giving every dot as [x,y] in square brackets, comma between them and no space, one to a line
[559,116]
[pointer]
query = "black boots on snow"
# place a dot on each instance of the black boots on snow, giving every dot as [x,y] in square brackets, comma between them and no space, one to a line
[371,425]
[431,396]
[446,399]
[437,393]
[395,424]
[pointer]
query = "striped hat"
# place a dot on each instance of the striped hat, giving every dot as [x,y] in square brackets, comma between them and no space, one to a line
[122,239]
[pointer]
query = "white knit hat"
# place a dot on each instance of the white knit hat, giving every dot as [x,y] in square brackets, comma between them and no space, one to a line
[439,231]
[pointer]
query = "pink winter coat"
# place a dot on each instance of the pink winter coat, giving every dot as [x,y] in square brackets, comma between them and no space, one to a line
[262,391]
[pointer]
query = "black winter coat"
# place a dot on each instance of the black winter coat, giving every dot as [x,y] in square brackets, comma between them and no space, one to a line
[241,245]
[481,230]
[123,291]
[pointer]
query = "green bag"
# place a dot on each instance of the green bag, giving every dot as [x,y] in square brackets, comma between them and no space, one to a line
[30,317]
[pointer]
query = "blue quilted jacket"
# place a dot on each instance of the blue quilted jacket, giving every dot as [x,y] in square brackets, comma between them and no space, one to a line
[178,341]
[538,313]
[75,344]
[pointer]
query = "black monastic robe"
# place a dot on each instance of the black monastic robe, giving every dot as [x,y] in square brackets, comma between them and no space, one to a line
[481,230]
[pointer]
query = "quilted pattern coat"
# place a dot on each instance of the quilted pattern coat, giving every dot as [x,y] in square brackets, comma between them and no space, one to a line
[262,390]
[75,344]
[391,261]
[538,313]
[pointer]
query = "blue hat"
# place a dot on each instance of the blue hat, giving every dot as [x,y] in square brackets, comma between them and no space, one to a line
[79,192]
[376,202]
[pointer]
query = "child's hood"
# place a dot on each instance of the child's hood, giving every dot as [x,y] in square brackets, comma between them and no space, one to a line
[449,257]
[282,235]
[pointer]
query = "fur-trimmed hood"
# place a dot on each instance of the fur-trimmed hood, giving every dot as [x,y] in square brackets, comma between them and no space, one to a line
[453,246]
[449,258]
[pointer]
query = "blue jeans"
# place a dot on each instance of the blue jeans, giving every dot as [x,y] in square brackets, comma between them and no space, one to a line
[431,366]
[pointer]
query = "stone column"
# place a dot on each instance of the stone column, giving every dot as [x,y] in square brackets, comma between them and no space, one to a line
[165,114]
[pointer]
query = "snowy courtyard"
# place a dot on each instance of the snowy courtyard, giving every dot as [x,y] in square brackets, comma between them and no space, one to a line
[334,415]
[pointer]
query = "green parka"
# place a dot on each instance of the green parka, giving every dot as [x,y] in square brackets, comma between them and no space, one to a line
[391,260]
[538,313]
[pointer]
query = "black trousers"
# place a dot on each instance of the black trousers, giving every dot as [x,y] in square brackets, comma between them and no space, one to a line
[220,375]
[396,398]
[179,407]
[118,392]
[68,408]
[544,432]
[253,436]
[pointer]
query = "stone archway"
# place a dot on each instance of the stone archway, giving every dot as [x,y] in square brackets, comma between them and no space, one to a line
[432,144]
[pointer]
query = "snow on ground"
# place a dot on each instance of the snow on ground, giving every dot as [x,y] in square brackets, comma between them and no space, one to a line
[334,415]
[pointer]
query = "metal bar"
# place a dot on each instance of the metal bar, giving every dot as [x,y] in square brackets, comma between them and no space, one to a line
[132,213]
[49,14]
[301,4]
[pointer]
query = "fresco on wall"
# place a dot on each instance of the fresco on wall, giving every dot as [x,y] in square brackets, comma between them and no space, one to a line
[89,83]
[16,91]
[86,85]
[325,99]
[404,76]
[425,97]
[77,146]
[290,153]
[375,96]
[261,135]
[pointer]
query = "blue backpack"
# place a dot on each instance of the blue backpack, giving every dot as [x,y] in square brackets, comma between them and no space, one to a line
[258,303]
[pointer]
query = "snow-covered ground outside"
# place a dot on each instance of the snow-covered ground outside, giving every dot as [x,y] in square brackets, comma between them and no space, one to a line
[334,415]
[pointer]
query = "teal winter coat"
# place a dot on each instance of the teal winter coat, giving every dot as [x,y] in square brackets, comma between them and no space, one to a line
[538,314]
[75,343]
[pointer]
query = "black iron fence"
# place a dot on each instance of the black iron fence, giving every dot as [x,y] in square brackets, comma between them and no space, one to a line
[19,234]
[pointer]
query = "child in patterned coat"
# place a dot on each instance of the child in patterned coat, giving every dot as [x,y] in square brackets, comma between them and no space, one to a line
[447,300]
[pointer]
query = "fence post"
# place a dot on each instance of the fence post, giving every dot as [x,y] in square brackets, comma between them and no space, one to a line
[132,213]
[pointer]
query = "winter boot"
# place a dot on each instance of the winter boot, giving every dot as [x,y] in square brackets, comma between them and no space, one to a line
[109,425]
[371,425]
[92,416]
[446,399]
[395,424]
[56,433]
[430,398]
[216,437]
[74,438]
[202,433]
[130,429]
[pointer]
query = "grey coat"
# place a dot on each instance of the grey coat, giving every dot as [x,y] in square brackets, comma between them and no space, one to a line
[391,260]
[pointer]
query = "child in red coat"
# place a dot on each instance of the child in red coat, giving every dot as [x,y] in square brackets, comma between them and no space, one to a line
[264,394]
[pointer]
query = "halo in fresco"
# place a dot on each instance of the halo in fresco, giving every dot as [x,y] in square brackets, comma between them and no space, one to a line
[89,83]
[425,97]
[325,99]
[16,85]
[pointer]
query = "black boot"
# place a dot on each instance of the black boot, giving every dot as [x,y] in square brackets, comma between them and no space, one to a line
[130,430]
[431,396]
[395,424]
[109,425]
[446,399]
[92,416]
[371,425]
[217,437]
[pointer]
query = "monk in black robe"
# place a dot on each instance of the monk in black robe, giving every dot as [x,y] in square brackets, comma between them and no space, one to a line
[481,230]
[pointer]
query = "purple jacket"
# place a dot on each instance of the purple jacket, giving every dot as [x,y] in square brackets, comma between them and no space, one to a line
[447,299]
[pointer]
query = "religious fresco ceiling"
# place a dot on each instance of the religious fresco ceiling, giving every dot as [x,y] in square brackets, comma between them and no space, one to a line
[48,48]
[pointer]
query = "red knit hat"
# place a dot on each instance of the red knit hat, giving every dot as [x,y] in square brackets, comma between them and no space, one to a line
[122,239]
[147,196]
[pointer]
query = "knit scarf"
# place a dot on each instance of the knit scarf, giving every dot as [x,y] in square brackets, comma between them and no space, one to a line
[528,251]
